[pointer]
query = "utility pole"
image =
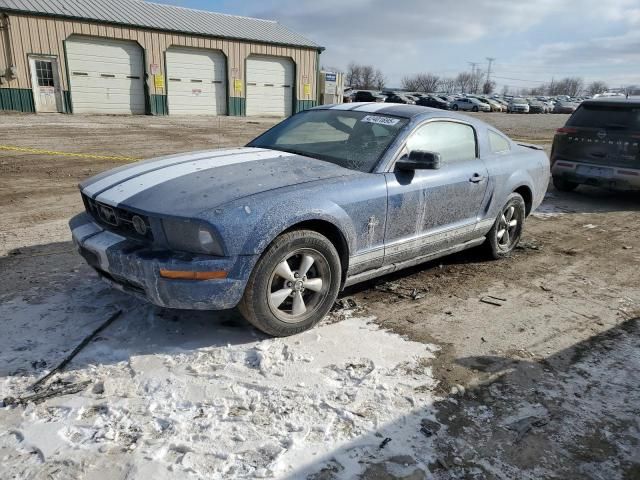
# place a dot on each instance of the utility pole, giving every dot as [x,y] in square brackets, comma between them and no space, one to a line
[473,76]
[490,60]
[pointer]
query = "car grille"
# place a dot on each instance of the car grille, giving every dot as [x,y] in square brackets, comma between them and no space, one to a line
[117,219]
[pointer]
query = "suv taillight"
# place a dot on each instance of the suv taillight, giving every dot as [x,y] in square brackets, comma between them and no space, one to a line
[566,131]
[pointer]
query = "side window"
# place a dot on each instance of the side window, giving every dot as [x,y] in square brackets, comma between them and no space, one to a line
[455,142]
[498,143]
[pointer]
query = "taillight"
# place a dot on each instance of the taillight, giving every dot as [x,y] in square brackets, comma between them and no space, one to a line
[566,130]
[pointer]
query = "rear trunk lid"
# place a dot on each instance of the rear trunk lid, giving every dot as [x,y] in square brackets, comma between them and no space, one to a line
[601,134]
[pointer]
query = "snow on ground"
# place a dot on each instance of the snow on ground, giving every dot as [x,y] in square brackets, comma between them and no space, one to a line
[201,395]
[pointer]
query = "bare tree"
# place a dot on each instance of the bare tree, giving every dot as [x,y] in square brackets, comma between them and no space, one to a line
[353,75]
[421,82]
[464,82]
[448,85]
[364,76]
[489,87]
[476,81]
[379,80]
[597,87]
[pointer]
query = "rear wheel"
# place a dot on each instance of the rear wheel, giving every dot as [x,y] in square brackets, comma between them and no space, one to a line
[294,284]
[564,185]
[454,107]
[508,227]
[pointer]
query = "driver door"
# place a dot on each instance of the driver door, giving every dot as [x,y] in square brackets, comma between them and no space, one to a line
[431,210]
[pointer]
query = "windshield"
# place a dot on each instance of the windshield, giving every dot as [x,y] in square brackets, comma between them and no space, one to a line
[623,117]
[518,100]
[354,140]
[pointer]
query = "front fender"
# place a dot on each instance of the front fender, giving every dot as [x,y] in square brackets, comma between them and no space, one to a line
[249,225]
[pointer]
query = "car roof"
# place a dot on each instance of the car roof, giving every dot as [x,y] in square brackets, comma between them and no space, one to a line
[614,101]
[399,110]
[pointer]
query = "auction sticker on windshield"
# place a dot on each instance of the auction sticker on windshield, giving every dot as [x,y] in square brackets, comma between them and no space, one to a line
[380,120]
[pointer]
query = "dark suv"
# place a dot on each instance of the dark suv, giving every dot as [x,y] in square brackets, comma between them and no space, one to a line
[599,145]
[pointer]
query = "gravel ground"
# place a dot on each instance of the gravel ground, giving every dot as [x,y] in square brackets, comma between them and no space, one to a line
[542,386]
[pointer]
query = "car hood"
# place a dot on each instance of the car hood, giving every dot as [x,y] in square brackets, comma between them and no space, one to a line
[187,184]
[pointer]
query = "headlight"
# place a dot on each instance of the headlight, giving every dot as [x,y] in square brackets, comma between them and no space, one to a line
[191,236]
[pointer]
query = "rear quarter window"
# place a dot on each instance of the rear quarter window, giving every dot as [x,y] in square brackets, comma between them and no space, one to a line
[498,143]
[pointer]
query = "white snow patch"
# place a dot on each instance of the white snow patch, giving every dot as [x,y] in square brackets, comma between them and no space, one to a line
[202,394]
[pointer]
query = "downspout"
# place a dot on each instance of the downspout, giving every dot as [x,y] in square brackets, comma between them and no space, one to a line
[10,71]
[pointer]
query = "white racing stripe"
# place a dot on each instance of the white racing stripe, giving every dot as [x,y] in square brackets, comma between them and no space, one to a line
[148,166]
[372,107]
[99,243]
[119,193]
[348,106]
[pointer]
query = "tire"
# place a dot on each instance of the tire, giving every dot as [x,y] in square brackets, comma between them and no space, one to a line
[505,235]
[564,185]
[474,109]
[454,107]
[274,292]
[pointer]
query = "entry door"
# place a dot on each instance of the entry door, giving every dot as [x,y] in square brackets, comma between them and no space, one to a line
[431,210]
[46,84]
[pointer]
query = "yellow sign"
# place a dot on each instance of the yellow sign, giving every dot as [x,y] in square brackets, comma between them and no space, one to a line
[158,81]
[237,85]
[307,89]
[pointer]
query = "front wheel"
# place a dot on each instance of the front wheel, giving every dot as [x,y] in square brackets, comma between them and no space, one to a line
[294,284]
[474,109]
[455,107]
[508,227]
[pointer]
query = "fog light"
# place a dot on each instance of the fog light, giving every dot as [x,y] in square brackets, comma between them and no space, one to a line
[139,225]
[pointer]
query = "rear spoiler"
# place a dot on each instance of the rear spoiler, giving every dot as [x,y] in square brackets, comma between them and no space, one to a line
[531,146]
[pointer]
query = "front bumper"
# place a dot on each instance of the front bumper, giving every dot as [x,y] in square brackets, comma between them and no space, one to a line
[613,178]
[134,268]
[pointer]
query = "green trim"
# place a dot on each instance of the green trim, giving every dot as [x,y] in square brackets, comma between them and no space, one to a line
[159,105]
[66,102]
[237,107]
[18,99]
[305,105]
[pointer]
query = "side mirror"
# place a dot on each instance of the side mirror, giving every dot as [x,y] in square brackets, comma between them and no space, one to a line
[420,160]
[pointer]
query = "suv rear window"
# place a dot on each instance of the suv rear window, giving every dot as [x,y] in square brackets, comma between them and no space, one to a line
[623,117]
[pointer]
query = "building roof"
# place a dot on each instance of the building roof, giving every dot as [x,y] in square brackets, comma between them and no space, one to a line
[164,17]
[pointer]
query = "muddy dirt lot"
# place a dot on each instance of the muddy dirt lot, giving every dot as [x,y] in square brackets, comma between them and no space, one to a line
[524,368]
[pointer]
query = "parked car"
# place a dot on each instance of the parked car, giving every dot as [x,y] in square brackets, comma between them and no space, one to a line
[367,96]
[599,145]
[495,106]
[400,98]
[470,104]
[433,102]
[325,199]
[518,105]
[536,106]
[563,106]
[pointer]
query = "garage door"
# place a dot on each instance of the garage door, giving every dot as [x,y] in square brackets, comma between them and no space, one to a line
[196,82]
[106,76]
[270,82]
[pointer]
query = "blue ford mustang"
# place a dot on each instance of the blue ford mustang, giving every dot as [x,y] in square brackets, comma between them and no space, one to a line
[329,197]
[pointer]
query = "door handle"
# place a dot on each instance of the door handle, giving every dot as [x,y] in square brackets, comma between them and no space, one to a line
[477,178]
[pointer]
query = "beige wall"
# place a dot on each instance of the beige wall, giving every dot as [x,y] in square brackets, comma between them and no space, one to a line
[45,35]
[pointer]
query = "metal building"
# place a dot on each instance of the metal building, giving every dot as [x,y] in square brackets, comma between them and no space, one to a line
[137,57]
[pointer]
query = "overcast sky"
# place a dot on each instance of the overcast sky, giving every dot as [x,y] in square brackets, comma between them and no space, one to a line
[531,40]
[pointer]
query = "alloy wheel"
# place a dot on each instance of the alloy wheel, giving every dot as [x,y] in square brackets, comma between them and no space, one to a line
[298,285]
[508,227]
